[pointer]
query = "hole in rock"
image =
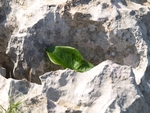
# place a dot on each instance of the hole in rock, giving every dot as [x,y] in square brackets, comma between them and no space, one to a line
[6,63]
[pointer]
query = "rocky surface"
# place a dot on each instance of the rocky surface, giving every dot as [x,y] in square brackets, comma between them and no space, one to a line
[107,88]
[116,30]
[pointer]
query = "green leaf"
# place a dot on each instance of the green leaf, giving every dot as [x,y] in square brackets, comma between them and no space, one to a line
[68,57]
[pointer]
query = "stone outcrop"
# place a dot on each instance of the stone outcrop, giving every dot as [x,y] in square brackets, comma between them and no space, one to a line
[107,88]
[116,30]
[101,30]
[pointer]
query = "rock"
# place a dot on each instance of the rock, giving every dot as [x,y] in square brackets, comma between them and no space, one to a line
[5,34]
[106,30]
[116,30]
[145,86]
[107,88]
[2,71]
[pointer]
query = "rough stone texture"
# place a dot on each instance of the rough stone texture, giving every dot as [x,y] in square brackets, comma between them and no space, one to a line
[107,88]
[117,30]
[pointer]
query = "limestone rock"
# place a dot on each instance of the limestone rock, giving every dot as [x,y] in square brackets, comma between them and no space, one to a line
[116,30]
[100,30]
[107,88]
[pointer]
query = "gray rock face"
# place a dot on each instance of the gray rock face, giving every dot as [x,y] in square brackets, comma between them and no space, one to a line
[105,30]
[116,30]
[107,88]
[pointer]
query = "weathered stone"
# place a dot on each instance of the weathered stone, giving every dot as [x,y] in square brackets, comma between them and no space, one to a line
[114,30]
[107,88]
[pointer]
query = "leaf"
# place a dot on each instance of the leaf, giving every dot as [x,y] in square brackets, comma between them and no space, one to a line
[68,57]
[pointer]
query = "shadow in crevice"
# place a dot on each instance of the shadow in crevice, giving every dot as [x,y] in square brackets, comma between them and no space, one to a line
[127,2]
[5,60]
[145,20]
[9,69]
[116,2]
[5,33]
[77,2]
[144,85]
[139,1]
[145,89]
[5,9]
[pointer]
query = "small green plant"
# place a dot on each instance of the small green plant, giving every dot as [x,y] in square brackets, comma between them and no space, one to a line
[13,107]
[68,57]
